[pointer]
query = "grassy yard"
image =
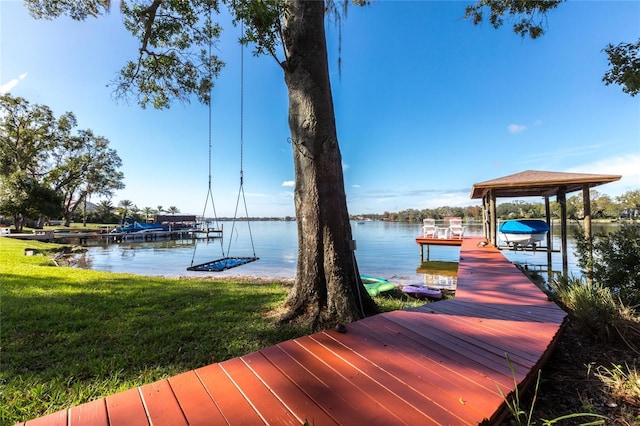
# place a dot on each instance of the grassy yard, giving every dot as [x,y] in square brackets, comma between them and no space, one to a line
[69,336]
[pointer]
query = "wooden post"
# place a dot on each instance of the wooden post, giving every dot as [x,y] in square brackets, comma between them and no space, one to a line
[586,207]
[485,217]
[562,200]
[492,217]
[547,213]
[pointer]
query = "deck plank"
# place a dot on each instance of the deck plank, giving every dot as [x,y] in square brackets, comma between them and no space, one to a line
[161,404]
[196,404]
[399,397]
[234,407]
[337,396]
[126,408]
[253,389]
[59,418]
[286,391]
[92,413]
[417,383]
[432,378]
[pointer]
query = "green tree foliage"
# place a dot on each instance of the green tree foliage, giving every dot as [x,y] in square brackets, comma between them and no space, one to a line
[45,168]
[105,212]
[519,209]
[624,60]
[629,203]
[22,197]
[613,261]
[529,15]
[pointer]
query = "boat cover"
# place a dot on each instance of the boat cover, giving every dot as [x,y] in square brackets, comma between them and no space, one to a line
[222,264]
[524,226]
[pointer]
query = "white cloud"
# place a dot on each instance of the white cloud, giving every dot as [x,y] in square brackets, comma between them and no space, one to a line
[516,128]
[289,183]
[6,88]
[355,186]
[626,165]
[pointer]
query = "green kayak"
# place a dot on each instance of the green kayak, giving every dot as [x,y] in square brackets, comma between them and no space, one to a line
[375,285]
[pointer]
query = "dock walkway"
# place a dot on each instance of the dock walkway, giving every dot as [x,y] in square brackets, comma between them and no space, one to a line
[441,363]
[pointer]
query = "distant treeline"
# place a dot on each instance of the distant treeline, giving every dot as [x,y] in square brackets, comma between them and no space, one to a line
[626,206]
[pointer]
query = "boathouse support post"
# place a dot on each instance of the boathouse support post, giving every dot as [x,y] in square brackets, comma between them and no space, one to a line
[485,217]
[562,200]
[547,213]
[586,207]
[492,217]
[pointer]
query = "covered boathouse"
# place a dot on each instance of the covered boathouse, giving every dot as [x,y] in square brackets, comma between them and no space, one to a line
[536,183]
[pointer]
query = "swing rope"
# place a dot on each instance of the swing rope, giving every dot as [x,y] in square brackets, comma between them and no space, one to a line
[205,226]
[241,188]
[227,262]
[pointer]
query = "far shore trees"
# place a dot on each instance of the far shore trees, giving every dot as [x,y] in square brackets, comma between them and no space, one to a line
[45,169]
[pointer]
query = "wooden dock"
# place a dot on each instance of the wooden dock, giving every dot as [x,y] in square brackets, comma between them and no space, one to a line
[83,237]
[438,364]
[428,242]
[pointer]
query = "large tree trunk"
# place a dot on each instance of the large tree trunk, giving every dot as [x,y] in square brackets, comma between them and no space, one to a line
[327,288]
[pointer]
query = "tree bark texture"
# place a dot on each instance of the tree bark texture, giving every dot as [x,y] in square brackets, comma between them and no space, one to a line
[327,288]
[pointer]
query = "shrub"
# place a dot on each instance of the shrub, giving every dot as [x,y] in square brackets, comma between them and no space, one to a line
[613,261]
[596,311]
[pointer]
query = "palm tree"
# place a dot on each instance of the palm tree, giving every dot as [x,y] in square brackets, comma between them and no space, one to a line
[104,210]
[160,209]
[173,210]
[124,208]
[147,212]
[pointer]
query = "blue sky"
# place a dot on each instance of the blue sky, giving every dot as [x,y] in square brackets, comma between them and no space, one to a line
[426,106]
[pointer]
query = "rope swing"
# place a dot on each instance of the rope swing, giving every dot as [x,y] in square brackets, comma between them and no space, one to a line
[226,261]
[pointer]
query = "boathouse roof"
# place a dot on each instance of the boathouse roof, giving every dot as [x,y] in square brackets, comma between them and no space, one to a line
[532,183]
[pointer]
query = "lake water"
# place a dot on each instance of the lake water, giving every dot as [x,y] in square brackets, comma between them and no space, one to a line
[384,249]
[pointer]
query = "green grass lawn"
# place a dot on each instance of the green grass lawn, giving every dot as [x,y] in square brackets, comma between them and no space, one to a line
[69,336]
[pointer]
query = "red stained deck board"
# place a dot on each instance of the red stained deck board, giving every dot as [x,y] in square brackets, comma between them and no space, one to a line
[195,403]
[253,389]
[345,380]
[399,355]
[339,407]
[527,331]
[415,408]
[92,413]
[524,315]
[125,408]
[59,418]
[490,340]
[459,346]
[467,365]
[286,391]
[232,404]
[439,241]
[161,404]
[418,380]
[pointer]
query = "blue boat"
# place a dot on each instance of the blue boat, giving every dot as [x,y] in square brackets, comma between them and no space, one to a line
[523,232]
[132,226]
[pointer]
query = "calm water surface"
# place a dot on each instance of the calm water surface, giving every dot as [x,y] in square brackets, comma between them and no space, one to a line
[383,249]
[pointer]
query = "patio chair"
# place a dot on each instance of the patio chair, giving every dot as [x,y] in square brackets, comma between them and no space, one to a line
[429,228]
[456,230]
